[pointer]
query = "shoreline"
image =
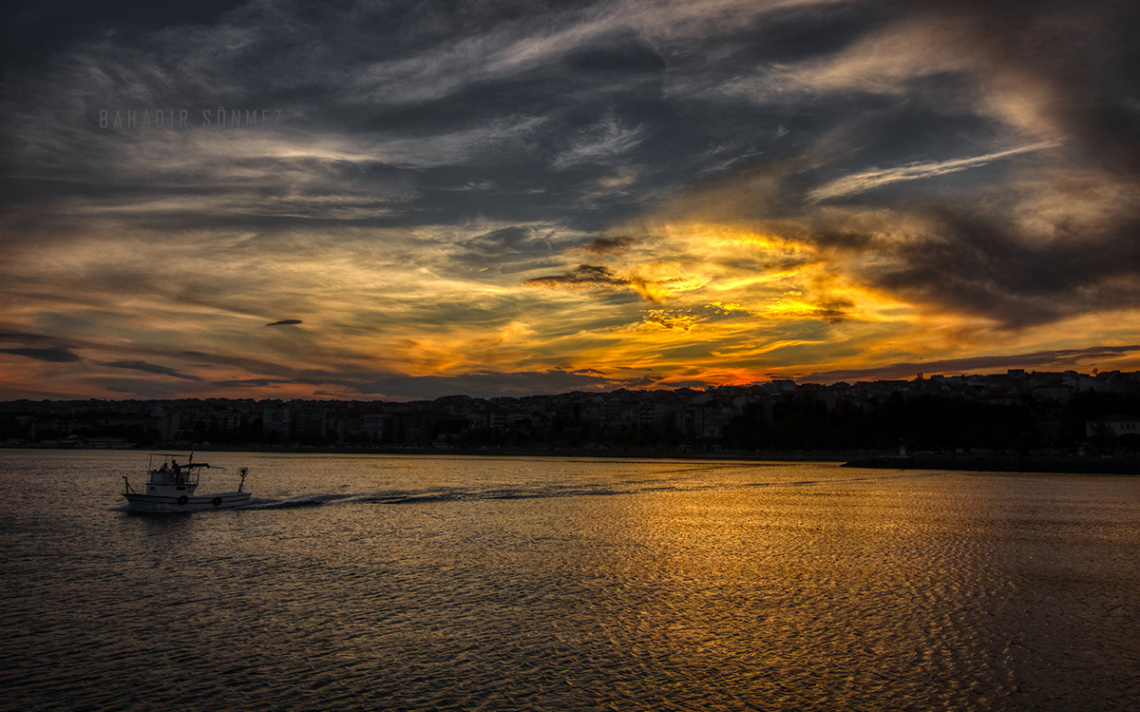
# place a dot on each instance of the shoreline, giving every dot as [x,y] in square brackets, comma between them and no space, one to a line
[1027,464]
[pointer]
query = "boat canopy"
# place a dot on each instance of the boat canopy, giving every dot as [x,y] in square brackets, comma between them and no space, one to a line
[168,460]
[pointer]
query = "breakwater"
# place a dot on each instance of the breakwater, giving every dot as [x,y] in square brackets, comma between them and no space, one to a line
[1003,463]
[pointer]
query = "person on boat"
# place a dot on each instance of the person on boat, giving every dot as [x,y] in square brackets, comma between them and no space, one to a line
[177,471]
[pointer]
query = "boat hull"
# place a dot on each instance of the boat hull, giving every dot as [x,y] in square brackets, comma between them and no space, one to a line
[184,502]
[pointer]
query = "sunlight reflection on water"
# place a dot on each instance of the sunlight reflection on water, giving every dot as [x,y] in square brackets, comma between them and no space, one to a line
[530,584]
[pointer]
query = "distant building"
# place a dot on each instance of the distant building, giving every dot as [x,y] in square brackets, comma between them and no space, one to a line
[277,420]
[1113,425]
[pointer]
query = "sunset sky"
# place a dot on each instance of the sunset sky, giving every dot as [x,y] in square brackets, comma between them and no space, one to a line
[410,199]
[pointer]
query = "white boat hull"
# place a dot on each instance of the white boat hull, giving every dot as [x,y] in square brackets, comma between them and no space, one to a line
[185,502]
[171,488]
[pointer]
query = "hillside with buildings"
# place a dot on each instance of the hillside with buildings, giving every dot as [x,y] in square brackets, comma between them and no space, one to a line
[1020,412]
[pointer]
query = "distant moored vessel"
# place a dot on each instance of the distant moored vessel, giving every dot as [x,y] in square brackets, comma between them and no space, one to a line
[171,486]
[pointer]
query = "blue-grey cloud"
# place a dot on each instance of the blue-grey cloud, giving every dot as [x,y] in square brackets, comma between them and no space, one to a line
[51,355]
[253,383]
[146,367]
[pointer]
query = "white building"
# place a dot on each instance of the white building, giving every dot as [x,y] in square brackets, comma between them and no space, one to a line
[1116,425]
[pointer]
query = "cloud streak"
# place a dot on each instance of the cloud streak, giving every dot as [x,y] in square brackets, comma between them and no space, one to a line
[875,178]
[152,368]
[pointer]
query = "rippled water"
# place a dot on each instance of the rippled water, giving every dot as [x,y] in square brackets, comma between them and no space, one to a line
[392,583]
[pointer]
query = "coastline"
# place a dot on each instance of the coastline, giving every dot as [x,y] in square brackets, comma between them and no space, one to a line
[1027,464]
[1053,464]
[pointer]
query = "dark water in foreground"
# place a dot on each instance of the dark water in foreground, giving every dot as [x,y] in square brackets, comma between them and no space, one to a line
[387,583]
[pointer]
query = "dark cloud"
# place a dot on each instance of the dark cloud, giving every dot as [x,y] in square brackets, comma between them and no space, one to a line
[51,355]
[834,310]
[152,368]
[981,264]
[38,347]
[23,337]
[666,320]
[286,322]
[582,277]
[509,249]
[253,383]
[609,245]
[35,32]
[1083,57]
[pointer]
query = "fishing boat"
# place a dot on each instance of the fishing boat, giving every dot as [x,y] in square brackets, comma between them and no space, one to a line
[170,487]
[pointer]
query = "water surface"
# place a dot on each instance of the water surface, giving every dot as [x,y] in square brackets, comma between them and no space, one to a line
[417,583]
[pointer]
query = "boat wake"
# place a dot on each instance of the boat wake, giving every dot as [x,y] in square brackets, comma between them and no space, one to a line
[535,491]
[431,496]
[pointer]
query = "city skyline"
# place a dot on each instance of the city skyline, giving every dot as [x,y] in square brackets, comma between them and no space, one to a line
[405,200]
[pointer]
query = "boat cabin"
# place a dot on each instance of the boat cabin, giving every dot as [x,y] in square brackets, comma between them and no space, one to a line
[166,470]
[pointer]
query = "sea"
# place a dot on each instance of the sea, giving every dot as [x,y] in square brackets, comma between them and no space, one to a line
[369,582]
